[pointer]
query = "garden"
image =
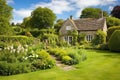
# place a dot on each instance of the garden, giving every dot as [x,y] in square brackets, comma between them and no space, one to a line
[34,49]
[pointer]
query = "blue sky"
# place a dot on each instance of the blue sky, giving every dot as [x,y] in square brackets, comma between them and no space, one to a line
[62,8]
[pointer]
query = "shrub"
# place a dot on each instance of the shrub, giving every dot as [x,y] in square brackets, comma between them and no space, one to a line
[114,42]
[58,52]
[14,68]
[75,58]
[2,45]
[111,30]
[100,38]
[35,33]
[12,39]
[17,29]
[103,47]
[112,21]
[44,60]
[67,60]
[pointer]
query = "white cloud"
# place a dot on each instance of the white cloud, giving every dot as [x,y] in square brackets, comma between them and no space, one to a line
[17,21]
[22,12]
[110,8]
[60,6]
[81,4]
[10,1]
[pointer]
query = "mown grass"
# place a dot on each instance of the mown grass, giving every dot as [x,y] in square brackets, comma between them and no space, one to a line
[100,65]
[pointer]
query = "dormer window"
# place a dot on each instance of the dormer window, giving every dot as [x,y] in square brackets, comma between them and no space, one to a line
[68,28]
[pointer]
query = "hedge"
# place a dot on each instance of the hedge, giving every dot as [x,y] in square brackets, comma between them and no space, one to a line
[114,42]
[111,30]
[11,39]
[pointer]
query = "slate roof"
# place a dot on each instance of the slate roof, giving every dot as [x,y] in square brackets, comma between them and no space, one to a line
[88,24]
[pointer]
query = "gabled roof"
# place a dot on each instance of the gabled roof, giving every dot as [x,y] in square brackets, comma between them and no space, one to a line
[89,24]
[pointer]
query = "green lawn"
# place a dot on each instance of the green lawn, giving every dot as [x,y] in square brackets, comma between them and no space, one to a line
[100,65]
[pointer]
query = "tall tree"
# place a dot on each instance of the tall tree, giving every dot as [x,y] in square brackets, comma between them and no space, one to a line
[42,18]
[5,16]
[116,12]
[93,13]
[26,22]
[5,10]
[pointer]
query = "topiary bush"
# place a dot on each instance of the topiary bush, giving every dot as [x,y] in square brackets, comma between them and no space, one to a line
[114,42]
[111,30]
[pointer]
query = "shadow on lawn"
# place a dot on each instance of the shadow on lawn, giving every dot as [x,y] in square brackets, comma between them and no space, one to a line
[107,53]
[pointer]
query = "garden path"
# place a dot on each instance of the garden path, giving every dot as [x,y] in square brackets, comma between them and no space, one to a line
[61,65]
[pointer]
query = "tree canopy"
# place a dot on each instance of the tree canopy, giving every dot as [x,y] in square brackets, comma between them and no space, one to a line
[93,13]
[42,18]
[5,16]
[112,21]
[5,10]
[116,12]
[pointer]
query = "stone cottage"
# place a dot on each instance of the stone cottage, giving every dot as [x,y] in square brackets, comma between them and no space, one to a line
[88,26]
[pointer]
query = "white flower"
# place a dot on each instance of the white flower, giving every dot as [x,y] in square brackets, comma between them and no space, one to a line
[11,47]
[14,50]
[0,49]
[26,46]
[18,51]
[26,50]
[8,48]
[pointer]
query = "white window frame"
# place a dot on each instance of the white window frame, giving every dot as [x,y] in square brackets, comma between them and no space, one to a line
[89,38]
[67,39]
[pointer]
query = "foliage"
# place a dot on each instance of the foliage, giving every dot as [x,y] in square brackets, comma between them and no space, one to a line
[81,39]
[102,62]
[112,21]
[103,47]
[5,10]
[116,12]
[26,22]
[13,39]
[68,56]
[5,16]
[100,38]
[58,24]
[42,18]
[114,42]
[44,61]
[17,29]
[74,34]
[5,27]
[66,60]
[111,30]
[14,68]
[93,13]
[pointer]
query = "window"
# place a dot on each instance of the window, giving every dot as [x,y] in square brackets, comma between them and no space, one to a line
[89,37]
[68,39]
[68,27]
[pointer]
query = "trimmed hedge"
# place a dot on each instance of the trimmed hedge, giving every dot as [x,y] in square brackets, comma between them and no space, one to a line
[111,30]
[114,42]
[12,39]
